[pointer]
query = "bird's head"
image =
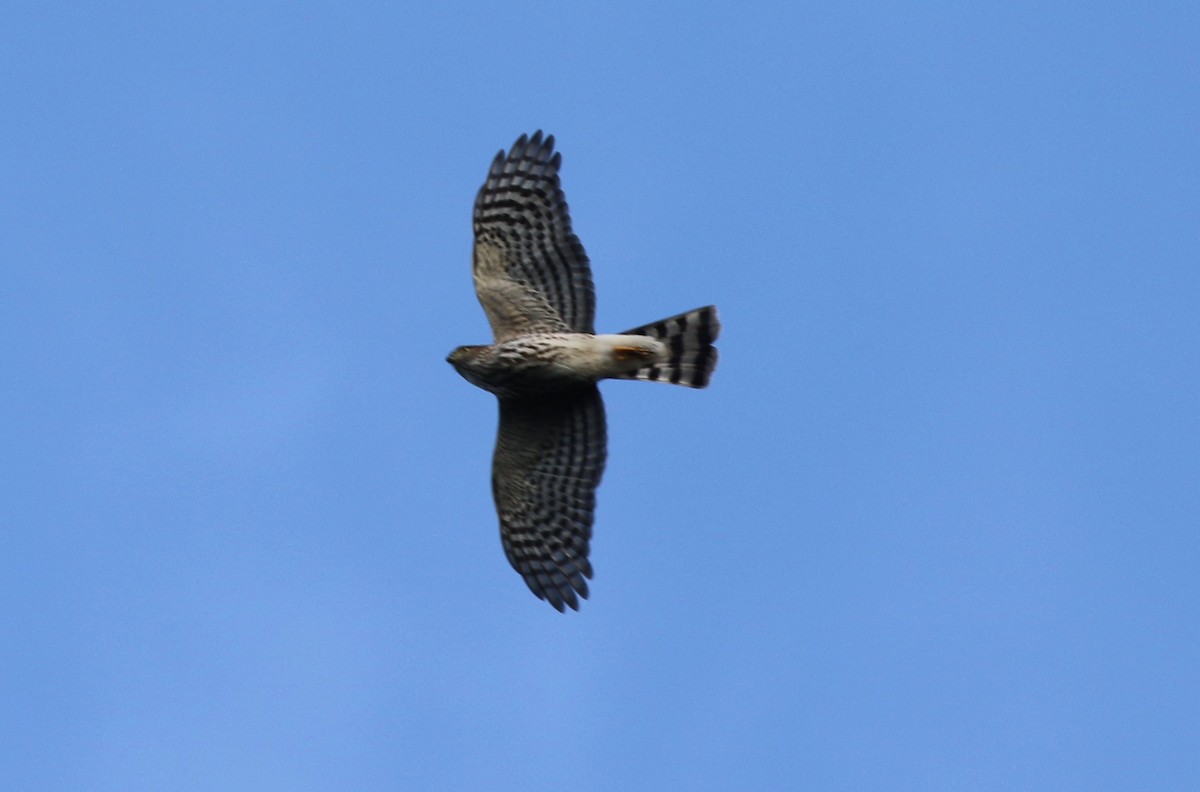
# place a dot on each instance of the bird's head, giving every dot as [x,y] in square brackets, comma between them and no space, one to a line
[459,357]
[471,364]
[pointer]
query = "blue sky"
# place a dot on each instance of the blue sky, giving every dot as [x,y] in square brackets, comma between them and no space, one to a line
[933,527]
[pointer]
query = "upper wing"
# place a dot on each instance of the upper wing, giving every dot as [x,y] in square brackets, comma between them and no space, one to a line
[549,458]
[531,272]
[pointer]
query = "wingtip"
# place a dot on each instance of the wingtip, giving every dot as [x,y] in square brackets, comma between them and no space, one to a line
[560,597]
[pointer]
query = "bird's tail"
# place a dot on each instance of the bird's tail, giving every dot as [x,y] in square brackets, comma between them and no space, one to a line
[691,356]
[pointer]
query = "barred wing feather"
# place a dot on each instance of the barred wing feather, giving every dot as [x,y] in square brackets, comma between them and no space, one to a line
[531,271]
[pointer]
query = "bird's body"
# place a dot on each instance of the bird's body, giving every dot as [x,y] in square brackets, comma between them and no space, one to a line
[535,284]
[540,364]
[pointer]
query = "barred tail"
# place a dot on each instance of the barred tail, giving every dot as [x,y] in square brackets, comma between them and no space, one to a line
[689,337]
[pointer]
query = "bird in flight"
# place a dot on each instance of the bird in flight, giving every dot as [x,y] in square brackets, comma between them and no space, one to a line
[535,284]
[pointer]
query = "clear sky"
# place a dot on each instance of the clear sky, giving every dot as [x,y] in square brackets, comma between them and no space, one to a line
[934,526]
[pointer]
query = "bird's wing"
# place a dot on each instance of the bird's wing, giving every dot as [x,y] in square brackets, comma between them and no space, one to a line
[549,458]
[531,272]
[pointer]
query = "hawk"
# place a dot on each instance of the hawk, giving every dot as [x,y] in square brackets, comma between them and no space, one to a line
[535,284]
